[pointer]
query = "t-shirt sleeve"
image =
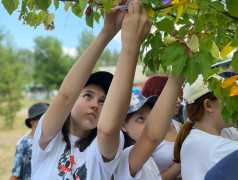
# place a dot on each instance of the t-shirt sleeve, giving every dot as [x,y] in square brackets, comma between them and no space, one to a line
[37,152]
[123,169]
[16,170]
[109,166]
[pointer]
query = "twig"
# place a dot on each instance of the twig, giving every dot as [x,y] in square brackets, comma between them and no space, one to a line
[225,13]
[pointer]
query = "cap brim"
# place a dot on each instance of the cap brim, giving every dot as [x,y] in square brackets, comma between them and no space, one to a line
[150,101]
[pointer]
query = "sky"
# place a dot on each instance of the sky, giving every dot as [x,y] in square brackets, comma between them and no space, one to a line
[68,28]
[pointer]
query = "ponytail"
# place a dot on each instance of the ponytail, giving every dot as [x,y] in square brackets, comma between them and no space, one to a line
[183,133]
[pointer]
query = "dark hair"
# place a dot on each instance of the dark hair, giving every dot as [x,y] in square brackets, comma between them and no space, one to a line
[83,142]
[154,85]
[194,111]
[128,140]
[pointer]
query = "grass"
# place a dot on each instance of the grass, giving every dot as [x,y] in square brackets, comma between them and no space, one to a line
[10,137]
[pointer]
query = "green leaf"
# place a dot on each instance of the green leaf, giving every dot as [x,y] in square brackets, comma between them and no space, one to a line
[56,3]
[96,16]
[156,41]
[205,44]
[203,5]
[234,42]
[169,58]
[49,19]
[193,44]
[213,71]
[180,63]
[43,4]
[41,17]
[232,5]
[204,60]
[67,5]
[23,7]
[10,5]
[234,61]
[234,117]
[199,25]
[83,4]
[182,32]
[190,71]
[31,4]
[214,50]
[145,1]
[77,10]
[89,19]
[225,114]
[107,4]
[31,18]
[217,5]
[165,25]
[231,104]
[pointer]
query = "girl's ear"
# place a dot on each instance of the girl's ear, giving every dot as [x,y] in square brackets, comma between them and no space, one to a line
[207,106]
[123,128]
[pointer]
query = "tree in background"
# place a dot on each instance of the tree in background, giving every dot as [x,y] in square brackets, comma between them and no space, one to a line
[107,58]
[11,83]
[51,65]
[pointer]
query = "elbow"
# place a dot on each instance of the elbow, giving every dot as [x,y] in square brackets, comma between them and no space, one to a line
[154,137]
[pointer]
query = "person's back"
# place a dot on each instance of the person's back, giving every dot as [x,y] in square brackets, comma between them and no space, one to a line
[22,164]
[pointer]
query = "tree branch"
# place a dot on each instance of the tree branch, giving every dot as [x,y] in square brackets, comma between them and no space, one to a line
[225,13]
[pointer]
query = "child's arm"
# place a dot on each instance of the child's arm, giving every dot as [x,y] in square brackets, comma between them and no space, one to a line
[135,27]
[76,79]
[156,125]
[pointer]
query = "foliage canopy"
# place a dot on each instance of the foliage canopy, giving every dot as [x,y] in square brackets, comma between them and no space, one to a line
[188,35]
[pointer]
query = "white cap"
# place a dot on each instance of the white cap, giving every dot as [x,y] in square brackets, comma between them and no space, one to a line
[197,89]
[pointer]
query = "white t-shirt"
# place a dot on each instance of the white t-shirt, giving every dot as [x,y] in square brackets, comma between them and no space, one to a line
[56,162]
[201,151]
[149,170]
[164,153]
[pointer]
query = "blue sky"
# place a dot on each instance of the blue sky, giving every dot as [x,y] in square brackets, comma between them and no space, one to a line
[68,28]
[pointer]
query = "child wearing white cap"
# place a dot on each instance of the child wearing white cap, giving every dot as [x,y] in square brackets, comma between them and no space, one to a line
[199,145]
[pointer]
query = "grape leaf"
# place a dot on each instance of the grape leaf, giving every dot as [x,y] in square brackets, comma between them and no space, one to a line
[232,7]
[165,25]
[169,58]
[179,64]
[234,61]
[56,3]
[190,71]
[10,5]
[89,19]
[67,5]
[204,60]
[43,4]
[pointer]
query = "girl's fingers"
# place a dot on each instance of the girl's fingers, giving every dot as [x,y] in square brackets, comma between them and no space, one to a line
[143,9]
[130,10]
[137,6]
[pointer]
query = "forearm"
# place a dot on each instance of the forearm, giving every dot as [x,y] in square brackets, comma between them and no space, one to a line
[171,173]
[117,103]
[161,115]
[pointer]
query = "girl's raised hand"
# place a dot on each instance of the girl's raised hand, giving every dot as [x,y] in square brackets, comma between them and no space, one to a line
[113,22]
[136,25]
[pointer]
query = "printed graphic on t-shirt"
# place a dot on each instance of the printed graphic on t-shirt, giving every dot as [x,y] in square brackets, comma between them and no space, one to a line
[65,165]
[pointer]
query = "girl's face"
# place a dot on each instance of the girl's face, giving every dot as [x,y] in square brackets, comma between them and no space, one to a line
[135,125]
[88,106]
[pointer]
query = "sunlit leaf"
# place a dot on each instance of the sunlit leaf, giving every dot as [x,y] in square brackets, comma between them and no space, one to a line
[229,81]
[193,44]
[234,91]
[226,50]
[214,50]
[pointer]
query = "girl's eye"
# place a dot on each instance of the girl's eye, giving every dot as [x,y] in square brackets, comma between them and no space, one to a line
[87,96]
[102,101]
[140,119]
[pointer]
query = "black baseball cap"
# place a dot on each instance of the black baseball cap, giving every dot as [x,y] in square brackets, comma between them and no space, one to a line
[102,79]
[35,110]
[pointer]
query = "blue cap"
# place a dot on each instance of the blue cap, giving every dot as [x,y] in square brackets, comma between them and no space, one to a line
[138,100]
